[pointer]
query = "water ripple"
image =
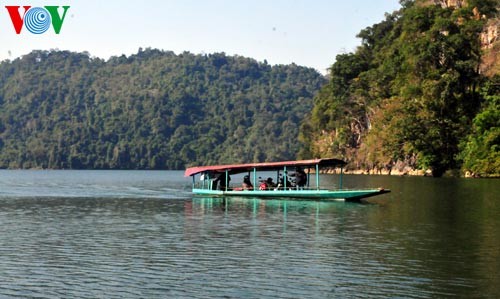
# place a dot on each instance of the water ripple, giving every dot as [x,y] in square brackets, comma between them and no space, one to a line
[138,243]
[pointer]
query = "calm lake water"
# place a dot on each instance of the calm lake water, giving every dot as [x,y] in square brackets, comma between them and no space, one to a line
[140,234]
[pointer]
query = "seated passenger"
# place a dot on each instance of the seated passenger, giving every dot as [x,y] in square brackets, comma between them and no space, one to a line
[221,179]
[281,183]
[247,185]
[270,184]
[300,177]
[262,184]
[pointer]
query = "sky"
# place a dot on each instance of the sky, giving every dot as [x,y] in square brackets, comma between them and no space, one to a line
[309,33]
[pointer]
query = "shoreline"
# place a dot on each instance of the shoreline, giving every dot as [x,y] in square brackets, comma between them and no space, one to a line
[380,172]
[407,172]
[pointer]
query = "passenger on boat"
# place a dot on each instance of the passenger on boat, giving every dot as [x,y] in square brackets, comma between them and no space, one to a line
[281,182]
[221,179]
[262,184]
[300,177]
[270,183]
[247,185]
[289,183]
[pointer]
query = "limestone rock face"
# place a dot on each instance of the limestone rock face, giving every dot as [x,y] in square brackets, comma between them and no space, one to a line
[490,40]
[490,43]
[451,3]
[490,34]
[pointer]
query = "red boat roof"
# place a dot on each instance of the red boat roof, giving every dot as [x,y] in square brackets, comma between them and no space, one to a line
[267,166]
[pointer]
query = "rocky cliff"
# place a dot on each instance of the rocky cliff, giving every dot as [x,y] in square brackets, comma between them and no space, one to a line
[451,3]
[490,42]
[406,101]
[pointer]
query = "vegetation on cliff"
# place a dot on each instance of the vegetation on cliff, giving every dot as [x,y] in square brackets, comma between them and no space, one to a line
[412,95]
[152,110]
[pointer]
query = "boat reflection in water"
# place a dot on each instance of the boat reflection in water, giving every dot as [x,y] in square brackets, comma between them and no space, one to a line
[257,205]
[266,210]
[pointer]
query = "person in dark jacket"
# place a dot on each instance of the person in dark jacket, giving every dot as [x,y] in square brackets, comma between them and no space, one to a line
[300,177]
[247,185]
[221,180]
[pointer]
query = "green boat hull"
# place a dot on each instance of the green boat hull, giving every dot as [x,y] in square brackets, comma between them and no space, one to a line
[348,195]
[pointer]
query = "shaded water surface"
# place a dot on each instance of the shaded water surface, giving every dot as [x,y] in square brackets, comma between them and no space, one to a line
[121,234]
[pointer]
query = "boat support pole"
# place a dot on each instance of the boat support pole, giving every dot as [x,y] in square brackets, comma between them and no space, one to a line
[341,175]
[317,177]
[285,178]
[308,177]
[254,179]
[227,181]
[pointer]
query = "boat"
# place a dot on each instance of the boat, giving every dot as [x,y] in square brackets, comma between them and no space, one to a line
[290,182]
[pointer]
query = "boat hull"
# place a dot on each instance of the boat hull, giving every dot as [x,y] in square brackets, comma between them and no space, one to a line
[348,195]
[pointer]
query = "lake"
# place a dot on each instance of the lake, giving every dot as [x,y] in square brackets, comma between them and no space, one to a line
[140,234]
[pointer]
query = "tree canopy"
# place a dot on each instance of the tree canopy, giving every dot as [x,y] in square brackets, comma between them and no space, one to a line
[151,110]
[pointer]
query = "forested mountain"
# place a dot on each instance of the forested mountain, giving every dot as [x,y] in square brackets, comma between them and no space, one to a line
[152,110]
[414,95]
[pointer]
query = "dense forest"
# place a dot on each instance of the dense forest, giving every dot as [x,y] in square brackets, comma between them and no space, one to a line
[151,110]
[421,92]
[414,95]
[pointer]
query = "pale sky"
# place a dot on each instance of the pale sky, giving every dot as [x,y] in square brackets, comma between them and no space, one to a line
[306,32]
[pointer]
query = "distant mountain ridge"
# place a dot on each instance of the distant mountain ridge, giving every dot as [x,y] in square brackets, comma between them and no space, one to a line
[151,110]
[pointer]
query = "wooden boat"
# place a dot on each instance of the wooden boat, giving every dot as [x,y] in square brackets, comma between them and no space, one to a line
[214,181]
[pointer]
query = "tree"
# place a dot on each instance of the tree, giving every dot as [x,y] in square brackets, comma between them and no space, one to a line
[481,150]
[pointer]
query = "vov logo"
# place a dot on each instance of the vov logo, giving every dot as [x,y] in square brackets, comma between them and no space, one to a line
[37,20]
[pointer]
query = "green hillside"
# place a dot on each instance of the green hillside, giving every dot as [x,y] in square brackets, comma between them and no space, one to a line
[412,95]
[152,110]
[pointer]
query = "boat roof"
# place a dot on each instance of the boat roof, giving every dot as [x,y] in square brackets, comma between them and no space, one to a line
[266,166]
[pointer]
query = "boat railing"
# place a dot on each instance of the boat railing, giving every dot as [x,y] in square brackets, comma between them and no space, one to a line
[209,185]
[237,187]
